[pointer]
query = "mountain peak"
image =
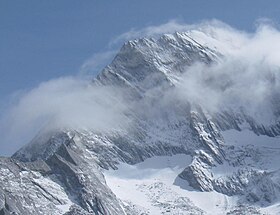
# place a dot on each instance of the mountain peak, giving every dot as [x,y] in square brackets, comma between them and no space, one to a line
[147,62]
[228,156]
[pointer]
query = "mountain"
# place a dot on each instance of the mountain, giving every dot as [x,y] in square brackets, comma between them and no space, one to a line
[175,155]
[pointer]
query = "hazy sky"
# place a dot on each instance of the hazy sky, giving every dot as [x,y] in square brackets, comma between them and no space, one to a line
[41,40]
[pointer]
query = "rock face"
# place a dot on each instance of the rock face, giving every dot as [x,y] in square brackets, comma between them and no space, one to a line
[61,172]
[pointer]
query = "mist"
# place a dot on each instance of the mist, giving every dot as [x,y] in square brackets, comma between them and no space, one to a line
[68,102]
[246,75]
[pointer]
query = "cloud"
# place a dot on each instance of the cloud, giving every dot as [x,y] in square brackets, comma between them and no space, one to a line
[213,28]
[246,76]
[213,33]
[68,102]
[97,62]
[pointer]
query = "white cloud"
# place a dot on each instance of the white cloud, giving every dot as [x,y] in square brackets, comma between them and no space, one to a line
[247,76]
[213,27]
[97,62]
[68,102]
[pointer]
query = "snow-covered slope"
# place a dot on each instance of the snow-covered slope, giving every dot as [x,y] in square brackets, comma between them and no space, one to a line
[154,187]
[175,157]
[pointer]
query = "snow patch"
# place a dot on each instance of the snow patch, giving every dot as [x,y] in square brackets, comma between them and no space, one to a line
[154,185]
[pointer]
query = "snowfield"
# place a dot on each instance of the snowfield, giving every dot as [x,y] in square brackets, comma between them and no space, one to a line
[155,182]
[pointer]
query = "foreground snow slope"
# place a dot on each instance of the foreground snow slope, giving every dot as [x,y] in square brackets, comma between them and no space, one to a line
[154,187]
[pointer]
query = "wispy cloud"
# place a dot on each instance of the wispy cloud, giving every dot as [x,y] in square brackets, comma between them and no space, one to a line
[68,102]
[249,76]
[97,62]
[171,27]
